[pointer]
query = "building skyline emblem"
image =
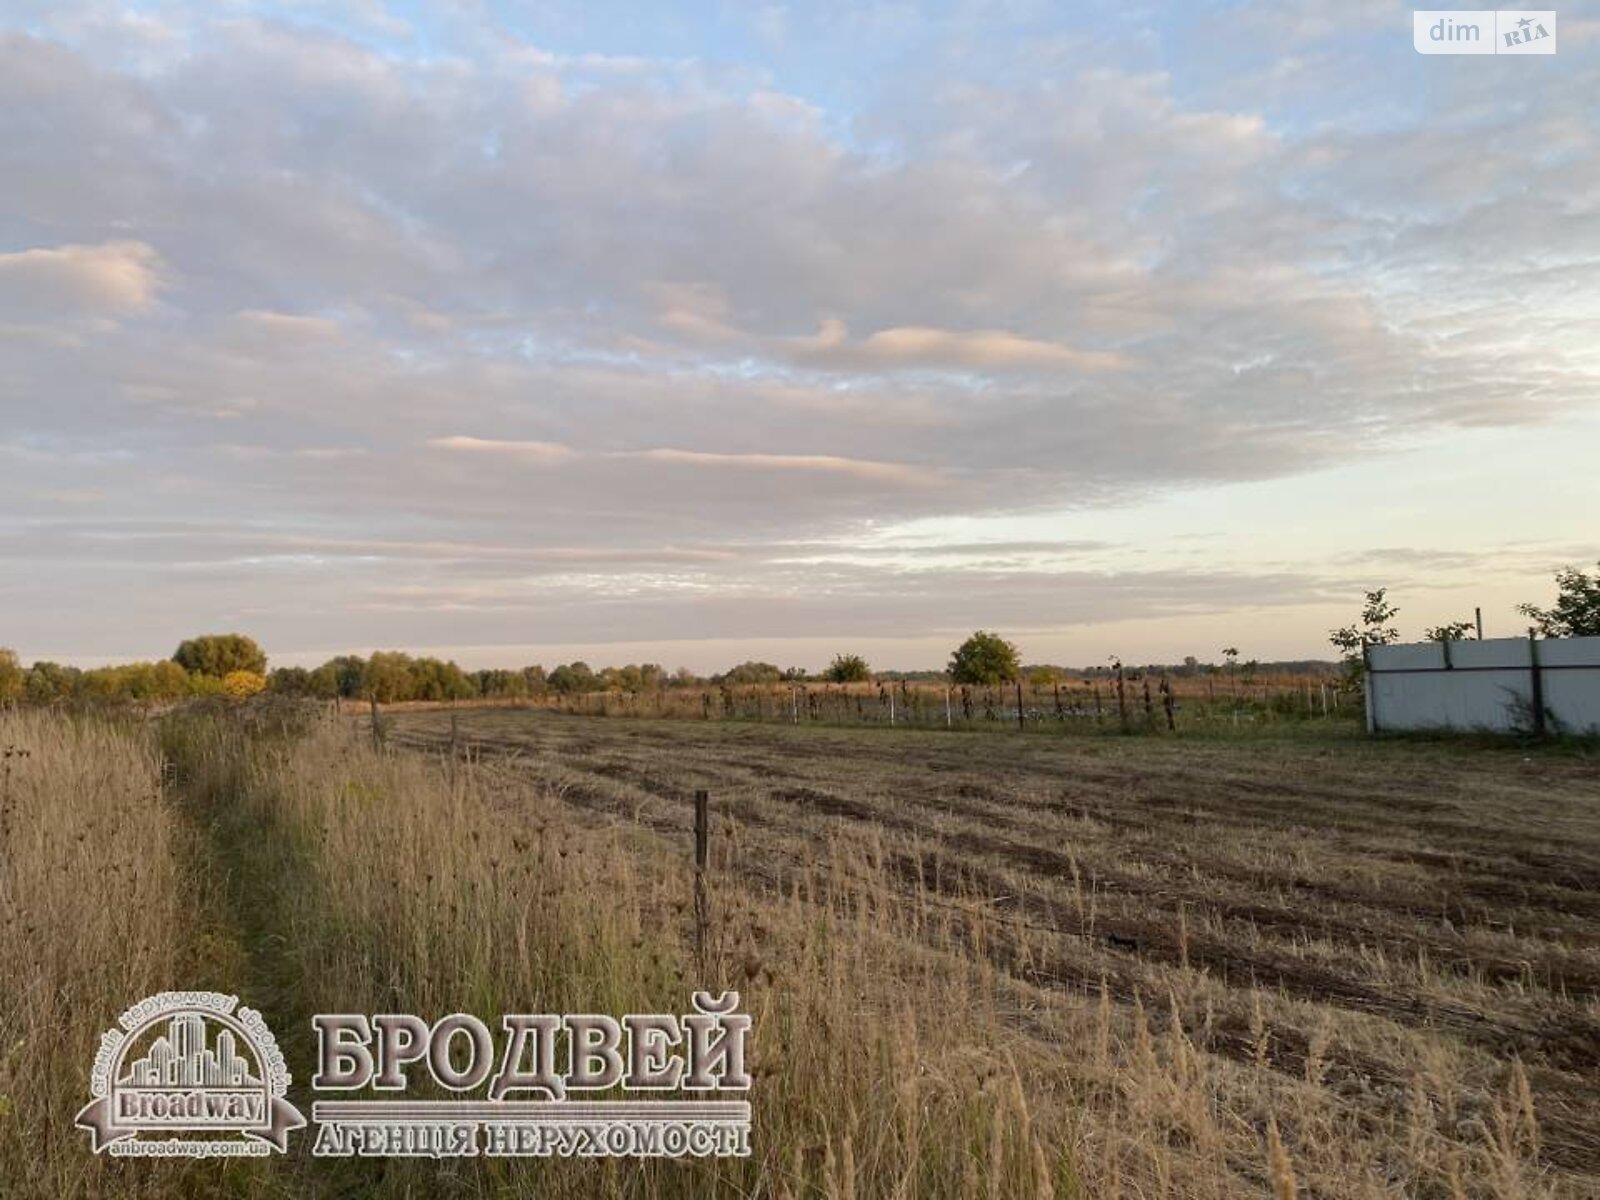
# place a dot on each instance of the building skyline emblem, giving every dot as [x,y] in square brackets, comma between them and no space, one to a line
[204,1067]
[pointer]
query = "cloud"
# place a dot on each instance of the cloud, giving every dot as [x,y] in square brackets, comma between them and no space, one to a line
[913,346]
[118,278]
[285,328]
[554,453]
[533,452]
[898,474]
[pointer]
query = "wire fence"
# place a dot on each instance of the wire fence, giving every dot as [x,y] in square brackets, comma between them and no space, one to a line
[1135,701]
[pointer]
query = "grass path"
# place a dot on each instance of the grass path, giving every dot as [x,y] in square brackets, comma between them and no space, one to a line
[245,862]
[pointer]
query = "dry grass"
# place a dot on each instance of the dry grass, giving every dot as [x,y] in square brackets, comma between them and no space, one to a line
[980,966]
[402,885]
[93,912]
[1388,952]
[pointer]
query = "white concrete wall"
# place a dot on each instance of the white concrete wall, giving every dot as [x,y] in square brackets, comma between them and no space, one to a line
[1485,685]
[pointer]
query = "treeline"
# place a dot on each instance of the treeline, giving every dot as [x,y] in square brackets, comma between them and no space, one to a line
[234,665]
[390,676]
[53,683]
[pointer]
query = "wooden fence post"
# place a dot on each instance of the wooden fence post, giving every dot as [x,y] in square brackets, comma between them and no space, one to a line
[1122,699]
[455,743]
[377,727]
[702,859]
[1021,719]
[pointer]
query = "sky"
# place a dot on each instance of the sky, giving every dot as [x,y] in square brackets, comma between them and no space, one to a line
[691,334]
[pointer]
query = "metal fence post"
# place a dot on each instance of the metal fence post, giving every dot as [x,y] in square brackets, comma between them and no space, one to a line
[1368,692]
[1537,681]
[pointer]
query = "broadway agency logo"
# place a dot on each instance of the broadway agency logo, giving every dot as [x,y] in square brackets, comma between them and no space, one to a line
[188,1063]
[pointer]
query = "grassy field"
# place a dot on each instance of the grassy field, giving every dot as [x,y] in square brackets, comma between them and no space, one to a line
[980,964]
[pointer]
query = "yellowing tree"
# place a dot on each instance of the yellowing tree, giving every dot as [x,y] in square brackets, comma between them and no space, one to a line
[12,676]
[241,685]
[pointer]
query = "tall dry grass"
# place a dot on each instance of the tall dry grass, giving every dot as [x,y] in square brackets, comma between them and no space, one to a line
[914,1037]
[93,916]
[402,884]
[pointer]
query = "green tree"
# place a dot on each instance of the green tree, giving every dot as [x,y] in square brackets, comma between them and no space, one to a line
[220,654]
[51,683]
[289,681]
[500,684]
[849,668]
[1576,612]
[984,658]
[573,678]
[349,673]
[388,677]
[752,672]
[1450,631]
[435,679]
[1374,629]
[324,682]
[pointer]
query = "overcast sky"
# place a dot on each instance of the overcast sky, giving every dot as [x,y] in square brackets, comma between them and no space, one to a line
[521,332]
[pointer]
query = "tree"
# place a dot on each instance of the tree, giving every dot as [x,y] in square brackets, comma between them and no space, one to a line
[500,684]
[388,677]
[984,658]
[435,679]
[1450,631]
[1576,612]
[220,654]
[241,685]
[348,672]
[324,682]
[1373,630]
[50,683]
[572,678]
[849,668]
[12,677]
[752,672]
